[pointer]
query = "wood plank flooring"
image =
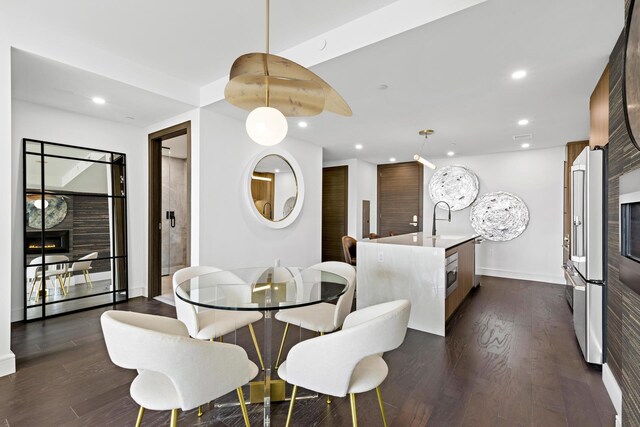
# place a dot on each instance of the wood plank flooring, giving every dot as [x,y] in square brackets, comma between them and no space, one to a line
[510,358]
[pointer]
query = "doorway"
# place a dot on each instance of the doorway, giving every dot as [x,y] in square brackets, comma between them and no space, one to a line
[335,198]
[399,198]
[169,207]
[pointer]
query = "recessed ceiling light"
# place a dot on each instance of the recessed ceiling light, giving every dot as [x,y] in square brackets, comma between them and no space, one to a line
[517,75]
[277,171]
[98,100]
[392,159]
[303,124]
[450,153]
[358,146]
[525,145]
[523,122]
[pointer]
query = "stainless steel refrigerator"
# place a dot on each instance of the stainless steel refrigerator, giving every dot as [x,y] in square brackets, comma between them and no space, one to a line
[587,252]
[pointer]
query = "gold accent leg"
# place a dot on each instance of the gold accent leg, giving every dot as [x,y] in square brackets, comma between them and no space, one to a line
[328,400]
[140,414]
[354,414]
[255,343]
[221,339]
[321,333]
[61,284]
[199,410]
[384,417]
[293,399]
[286,329]
[174,418]
[39,289]
[212,339]
[33,284]
[89,278]
[243,406]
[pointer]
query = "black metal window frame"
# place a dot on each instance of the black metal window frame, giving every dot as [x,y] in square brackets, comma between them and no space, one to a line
[116,158]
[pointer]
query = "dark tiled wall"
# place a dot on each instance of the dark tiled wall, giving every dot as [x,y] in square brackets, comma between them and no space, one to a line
[623,305]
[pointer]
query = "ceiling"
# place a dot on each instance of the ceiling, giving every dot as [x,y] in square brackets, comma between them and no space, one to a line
[454,76]
[196,40]
[451,75]
[54,84]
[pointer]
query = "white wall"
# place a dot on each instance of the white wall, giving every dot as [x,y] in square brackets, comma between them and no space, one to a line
[230,234]
[7,221]
[49,124]
[285,187]
[363,185]
[536,177]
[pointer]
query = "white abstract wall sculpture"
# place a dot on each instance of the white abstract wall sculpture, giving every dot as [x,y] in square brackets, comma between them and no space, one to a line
[457,185]
[499,216]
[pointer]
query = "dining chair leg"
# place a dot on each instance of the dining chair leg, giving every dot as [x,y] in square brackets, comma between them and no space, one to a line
[221,339]
[199,411]
[61,284]
[381,403]
[33,284]
[284,337]
[255,343]
[39,289]
[243,406]
[354,413]
[293,399]
[174,418]
[140,414]
[89,278]
[328,400]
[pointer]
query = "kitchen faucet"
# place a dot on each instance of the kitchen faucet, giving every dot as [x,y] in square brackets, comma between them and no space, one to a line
[433,227]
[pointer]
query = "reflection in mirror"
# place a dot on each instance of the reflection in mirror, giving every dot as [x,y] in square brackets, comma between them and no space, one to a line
[274,188]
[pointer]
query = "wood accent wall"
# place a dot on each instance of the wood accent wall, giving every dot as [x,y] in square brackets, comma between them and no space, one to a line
[599,112]
[623,305]
[92,230]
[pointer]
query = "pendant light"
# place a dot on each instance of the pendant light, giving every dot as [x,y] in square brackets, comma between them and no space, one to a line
[418,157]
[272,87]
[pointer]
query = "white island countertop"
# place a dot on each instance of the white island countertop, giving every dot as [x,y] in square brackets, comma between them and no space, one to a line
[424,240]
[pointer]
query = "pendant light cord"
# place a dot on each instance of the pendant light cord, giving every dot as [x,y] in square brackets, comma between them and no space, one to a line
[266,66]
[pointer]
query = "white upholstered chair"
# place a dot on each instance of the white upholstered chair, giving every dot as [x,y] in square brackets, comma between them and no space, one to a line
[83,265]
[212,324]
[349,361]
[323,317]
[57,269]
[174,370]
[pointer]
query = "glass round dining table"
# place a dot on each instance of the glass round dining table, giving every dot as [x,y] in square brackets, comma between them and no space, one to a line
[263,289]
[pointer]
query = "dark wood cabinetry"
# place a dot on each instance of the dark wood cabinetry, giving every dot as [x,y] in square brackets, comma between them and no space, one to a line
[466,270]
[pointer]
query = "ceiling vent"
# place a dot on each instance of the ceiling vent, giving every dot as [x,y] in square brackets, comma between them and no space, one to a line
[523,137]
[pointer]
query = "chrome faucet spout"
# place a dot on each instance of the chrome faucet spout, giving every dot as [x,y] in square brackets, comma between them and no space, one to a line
[433,226]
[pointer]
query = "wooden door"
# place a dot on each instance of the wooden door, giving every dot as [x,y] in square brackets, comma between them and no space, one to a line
[335,181]
[399,198]
[366,218]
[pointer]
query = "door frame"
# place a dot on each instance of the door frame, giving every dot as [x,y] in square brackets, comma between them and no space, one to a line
[154,282]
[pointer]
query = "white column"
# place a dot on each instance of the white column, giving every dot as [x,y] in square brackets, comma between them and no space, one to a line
[7,358]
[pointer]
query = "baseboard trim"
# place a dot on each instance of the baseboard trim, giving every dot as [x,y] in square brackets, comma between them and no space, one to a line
[615,393]
[7,364]
[520,275]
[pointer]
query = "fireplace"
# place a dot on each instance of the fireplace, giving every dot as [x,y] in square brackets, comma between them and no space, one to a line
[55,242]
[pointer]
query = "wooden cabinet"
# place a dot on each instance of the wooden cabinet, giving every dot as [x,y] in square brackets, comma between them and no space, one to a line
[466,269]
[599,112]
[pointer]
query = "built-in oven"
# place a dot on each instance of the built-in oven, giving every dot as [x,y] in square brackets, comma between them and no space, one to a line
[629,272]
[451,265]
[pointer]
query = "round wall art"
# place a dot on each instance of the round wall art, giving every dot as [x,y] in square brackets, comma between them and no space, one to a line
[499,216]
[54,213]
[457,185]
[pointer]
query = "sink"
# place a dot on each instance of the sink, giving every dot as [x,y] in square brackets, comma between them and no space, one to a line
[448,236]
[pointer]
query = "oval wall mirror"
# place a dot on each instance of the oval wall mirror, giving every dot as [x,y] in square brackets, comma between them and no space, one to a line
[631,76]
[275,188]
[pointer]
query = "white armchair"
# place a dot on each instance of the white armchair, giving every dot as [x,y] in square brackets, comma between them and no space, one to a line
[84,265]
[174,371]
[349,361]
[212,324]
[57,268]
[323,317]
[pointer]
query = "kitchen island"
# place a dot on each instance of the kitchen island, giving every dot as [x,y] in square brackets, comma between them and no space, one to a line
[435,273]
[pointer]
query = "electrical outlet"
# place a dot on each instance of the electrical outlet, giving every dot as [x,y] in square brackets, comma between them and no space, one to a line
[380,256]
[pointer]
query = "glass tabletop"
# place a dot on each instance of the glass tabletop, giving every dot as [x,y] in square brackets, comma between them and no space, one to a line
[262,288]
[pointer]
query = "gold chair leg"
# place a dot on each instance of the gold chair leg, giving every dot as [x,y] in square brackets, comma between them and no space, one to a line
[321,333]
[293,399]
[381,403]
[284,337]
[328,400]
[255,343]
[89,279]
[39,289]
[354,413]
[33,284]
[243,406]
[199,410]
[61,284]
[174,418]
[221,339]
[140,414]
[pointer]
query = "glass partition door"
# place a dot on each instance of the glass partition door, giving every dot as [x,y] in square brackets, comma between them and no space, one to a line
[75,229]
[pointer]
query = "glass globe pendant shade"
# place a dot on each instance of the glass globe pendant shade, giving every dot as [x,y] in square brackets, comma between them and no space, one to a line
[267,126]
[38,203]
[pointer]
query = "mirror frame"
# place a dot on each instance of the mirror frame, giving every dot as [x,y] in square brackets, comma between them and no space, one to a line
[287,221]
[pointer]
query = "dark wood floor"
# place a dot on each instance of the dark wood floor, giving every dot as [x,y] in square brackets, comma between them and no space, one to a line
[510,358]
